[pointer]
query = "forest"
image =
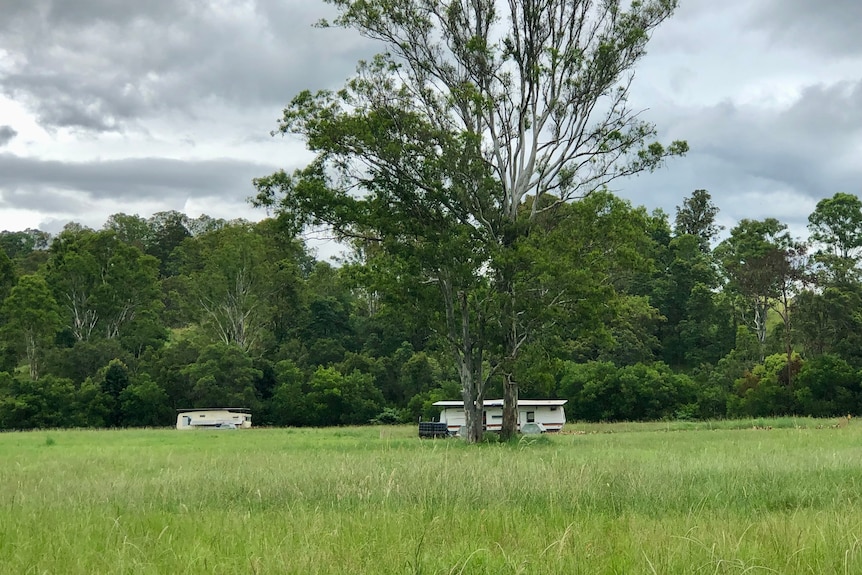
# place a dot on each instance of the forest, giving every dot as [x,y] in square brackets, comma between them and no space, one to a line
[669,318]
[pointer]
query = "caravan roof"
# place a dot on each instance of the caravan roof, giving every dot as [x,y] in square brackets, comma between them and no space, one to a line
[237,409]
[499,402]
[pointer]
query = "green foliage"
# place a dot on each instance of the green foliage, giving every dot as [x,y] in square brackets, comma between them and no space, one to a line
[828,386]
[168,367]
[26,249]
[7,275]
[167,230]
[765,390]
[47,403]
[389,416]
[96,406]
[696,218]
[589,265]
[537,370]
[8,357]
[601,391]
[229,277]
[716,383]
[114,379]
[336,399]
[598,281]
[289,405]
[836,228]
[697,326]
[144,403]
[101,282]
[419,374]
[130,229]
[754,261]
[830,321]
[31,317]
[144,332]
[84,359]
[222,376]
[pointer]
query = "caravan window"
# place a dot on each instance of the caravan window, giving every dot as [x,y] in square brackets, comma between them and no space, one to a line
[531,416]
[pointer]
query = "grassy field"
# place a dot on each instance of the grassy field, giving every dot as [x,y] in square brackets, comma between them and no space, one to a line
[780,496]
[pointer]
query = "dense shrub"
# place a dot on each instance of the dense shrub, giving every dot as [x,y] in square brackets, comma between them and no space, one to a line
[601,391]
[827,386]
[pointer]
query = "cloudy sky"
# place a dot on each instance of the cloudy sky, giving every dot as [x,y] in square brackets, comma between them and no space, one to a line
[112,106]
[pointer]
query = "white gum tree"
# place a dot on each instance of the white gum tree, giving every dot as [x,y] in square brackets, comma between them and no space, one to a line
[478,120]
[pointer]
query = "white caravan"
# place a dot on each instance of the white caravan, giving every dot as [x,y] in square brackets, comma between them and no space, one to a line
[214,418]
[548,413]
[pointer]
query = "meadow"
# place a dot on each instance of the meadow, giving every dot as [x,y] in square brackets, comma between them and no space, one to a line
[782,496]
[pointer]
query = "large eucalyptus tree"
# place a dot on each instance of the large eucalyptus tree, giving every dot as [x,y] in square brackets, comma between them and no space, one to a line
[479,119]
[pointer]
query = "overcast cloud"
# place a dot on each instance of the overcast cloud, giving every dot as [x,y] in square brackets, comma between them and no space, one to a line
[6,135]
[828,26]
[109,106]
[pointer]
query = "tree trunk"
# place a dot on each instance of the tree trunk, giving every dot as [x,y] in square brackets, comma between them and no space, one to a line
[468,351]
[472,392]
[32,355]
[760,326]
[510,408]
[474,412]
[512,335]
[788,343]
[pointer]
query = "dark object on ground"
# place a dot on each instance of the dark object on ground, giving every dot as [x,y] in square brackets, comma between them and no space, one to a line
[433,429]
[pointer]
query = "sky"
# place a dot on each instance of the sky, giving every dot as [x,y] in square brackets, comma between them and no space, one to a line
[111,106]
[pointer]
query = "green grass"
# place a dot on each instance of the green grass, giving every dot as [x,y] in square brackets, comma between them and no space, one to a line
[635,498]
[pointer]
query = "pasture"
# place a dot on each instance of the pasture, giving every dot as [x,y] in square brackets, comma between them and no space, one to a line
[775,497]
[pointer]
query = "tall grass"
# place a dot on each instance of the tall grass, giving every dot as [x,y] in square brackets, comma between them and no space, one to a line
[763,499]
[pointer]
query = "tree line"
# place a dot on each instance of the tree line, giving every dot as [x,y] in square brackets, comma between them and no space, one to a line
[122,326]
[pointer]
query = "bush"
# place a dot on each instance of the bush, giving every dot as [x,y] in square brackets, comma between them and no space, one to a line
[601,391]
[389,416]
[46,403]
[144,403]
[827,386]
[764,390]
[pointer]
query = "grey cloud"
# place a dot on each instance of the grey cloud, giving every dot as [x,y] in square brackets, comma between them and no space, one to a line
[830,26]
[63,12]
[761,163]
[736,192]
[803,147]
[7,133]
[103,65]
[29,183]
[81,13]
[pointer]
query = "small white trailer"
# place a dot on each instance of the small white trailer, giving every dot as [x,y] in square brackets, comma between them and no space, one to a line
[548,413]
[214,418]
